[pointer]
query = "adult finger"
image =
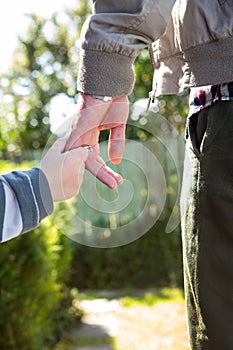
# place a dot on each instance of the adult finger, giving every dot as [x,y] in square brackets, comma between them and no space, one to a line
[85,129]
[116,144]
[98,168]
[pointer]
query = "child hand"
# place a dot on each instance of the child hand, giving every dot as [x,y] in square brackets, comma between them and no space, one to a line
[64,171]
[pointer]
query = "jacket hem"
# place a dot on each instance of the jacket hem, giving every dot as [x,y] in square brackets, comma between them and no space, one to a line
[210,64]
[206,64]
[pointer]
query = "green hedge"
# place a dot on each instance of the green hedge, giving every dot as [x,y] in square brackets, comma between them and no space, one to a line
[35,302]
[33,291]
[151,261]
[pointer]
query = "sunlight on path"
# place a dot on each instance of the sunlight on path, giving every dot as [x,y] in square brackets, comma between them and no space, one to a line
[160,327]
[102,312]
[138,327]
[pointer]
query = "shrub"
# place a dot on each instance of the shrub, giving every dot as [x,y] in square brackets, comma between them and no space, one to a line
[151,261]
[34,297]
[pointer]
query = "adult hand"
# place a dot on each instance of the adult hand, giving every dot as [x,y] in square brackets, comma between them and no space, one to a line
[93,116]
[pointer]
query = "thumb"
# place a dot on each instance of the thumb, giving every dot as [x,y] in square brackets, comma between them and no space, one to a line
[59,144]
[78,155]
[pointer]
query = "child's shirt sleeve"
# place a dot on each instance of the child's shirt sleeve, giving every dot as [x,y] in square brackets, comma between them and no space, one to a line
[25,199]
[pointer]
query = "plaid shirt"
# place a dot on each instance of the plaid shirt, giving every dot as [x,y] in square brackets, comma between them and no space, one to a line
[202,97]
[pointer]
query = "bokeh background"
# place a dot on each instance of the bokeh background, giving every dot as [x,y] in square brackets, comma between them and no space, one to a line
[45,276]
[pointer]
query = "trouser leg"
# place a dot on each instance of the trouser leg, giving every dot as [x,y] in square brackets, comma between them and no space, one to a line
[207,228]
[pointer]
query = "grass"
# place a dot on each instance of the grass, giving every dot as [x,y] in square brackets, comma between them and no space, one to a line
[150,298]
[91,341]
[68,342]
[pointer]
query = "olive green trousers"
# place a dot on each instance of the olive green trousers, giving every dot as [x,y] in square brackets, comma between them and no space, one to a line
[207,227]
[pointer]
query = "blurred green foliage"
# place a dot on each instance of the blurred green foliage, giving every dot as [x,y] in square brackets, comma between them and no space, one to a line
[45,64]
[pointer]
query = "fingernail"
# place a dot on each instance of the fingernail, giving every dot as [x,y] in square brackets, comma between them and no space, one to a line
[120,182]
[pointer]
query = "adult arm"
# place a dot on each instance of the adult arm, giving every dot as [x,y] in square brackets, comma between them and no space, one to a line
[111,40]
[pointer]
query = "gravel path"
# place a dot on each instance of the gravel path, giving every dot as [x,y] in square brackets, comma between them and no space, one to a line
[100,324]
